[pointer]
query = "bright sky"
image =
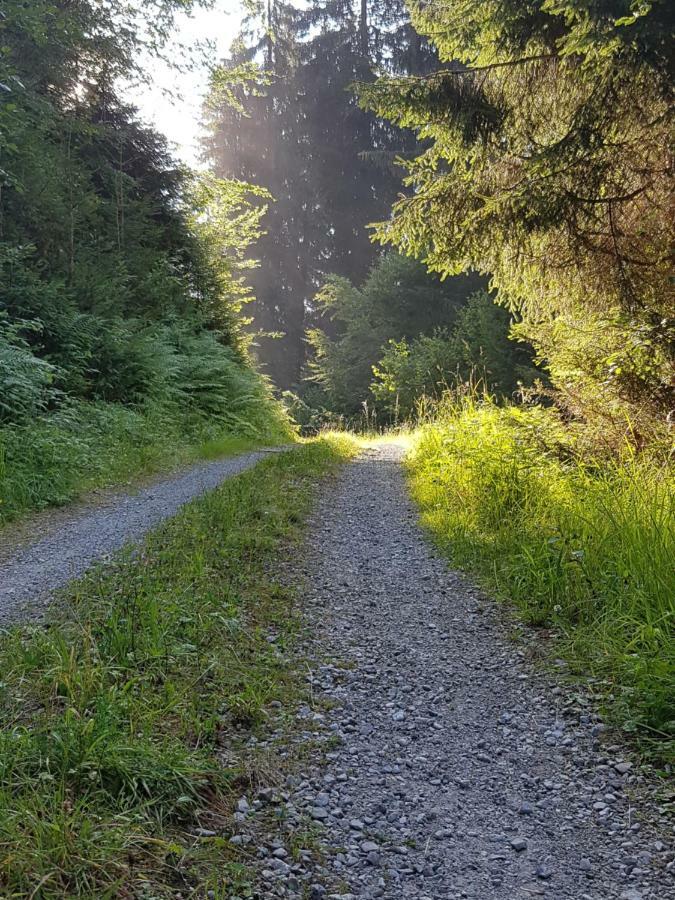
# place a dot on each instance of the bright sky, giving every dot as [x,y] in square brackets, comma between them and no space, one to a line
[173,103]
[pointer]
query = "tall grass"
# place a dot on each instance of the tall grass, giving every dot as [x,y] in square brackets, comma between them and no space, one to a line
[142,397]
[123,718]
[584,545]
[84,445]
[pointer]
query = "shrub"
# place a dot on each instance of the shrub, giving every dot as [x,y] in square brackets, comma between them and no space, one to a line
[478,347]
[26,382]
[398,300]
[85,444]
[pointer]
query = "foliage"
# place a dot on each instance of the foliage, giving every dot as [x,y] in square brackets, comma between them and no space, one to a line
[477,349]
[226,218]
[25,381]
[116,711]
[578,543]
[186,387]
[85,445]
[310,415]
[546,141]
[397,300]
[122,278]
[279,114]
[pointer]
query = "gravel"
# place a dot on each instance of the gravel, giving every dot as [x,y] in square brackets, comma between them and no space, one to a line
[449,768]
[438,764]
[83,538]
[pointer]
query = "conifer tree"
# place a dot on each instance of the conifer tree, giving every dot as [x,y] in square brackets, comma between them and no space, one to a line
[546,164]
[295,128]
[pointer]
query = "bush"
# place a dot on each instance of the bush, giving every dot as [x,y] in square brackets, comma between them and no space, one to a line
[159,392]
[583,545]
[83,445]
[311,416]
[399,300]
[26,382]
[477,348]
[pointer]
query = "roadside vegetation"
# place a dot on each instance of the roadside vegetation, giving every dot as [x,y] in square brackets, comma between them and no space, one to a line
[122,276]
[581,543]
[86,445]
[123,716]
[401,336]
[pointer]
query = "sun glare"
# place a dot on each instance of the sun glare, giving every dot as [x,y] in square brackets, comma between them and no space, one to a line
[172,101]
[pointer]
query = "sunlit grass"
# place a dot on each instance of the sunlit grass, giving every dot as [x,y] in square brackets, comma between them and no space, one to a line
[585,546]
[225,445]
[403,435]
[115,717]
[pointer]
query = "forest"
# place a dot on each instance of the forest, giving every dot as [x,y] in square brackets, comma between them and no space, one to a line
[121,343]
[446,225]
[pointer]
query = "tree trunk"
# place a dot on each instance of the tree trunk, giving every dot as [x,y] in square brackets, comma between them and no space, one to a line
[363,29]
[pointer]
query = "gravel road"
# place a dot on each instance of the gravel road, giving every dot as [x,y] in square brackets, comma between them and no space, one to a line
[454,769]
[84,537]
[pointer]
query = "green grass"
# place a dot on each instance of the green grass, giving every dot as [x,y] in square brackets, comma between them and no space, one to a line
[83,446]
[122,716]
[584,546]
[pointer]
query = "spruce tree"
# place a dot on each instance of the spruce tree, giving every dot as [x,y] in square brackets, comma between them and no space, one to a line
[295,128]
[546,165]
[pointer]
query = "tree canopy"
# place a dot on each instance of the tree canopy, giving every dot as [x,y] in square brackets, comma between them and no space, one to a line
[546,165]
[280,114]
[403,334]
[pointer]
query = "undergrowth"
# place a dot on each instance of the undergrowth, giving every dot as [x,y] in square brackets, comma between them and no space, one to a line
[54,458]
[584,546]
[119,716]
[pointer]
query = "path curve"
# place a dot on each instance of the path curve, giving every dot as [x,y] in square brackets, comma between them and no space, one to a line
[459,771]
[85,537]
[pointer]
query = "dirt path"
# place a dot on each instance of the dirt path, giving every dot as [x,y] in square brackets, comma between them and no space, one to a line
[454,770]
[79,538]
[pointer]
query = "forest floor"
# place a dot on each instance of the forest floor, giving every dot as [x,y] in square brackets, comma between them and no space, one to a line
[448,764]
[73,538]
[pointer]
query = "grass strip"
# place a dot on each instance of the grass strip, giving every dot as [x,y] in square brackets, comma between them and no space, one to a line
[58,457]
[584,546]
[120,716]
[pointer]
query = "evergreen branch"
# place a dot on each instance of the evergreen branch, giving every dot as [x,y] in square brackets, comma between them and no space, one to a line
[442,73]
